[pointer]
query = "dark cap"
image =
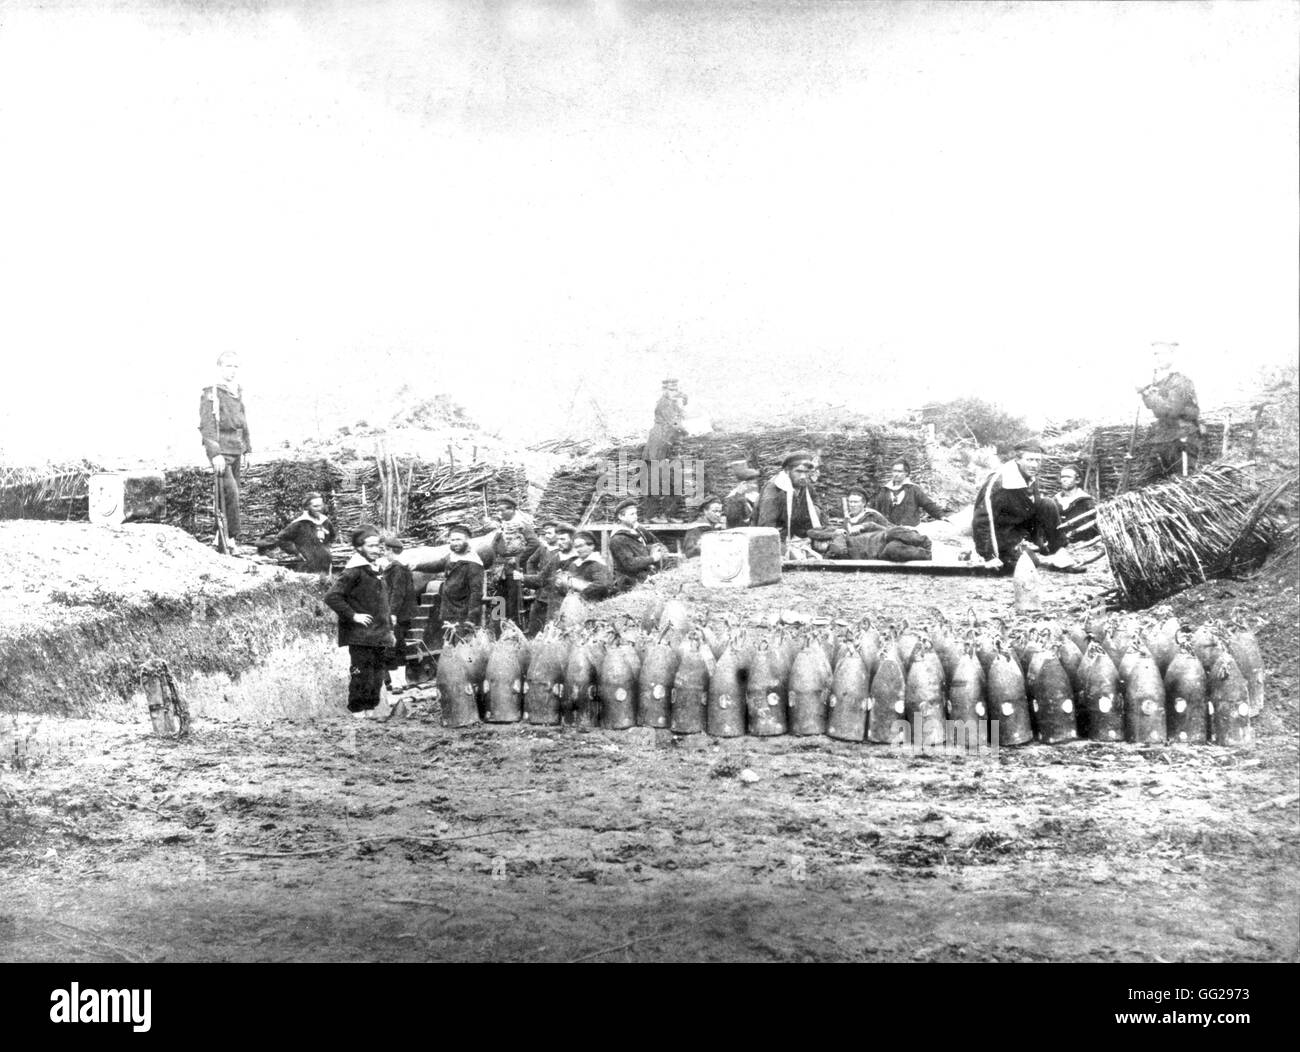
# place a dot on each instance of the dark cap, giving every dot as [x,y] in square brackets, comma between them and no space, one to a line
[359,535]
[799,457]
[1029,445]
[458,527]
[505,498]
[858,490]
[712,498]
[626,502]
[564,527]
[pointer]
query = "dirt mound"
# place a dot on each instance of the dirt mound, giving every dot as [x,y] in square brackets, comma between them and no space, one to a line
[74,564]
[87,606]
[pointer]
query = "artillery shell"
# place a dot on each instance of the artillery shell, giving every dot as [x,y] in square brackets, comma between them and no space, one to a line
[765,695]
[848,699]
[1102,711]
[1144,702]
[1186,694]
[1054,703]
[1228,702]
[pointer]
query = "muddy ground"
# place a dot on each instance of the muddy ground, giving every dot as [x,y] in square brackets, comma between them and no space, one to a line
[325,838]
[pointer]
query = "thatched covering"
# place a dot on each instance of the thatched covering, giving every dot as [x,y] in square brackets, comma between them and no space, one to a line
[860,456]
[1172,535]
[51,491]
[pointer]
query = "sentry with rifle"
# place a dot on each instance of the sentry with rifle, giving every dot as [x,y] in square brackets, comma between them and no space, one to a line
[224,430]
[1171,397]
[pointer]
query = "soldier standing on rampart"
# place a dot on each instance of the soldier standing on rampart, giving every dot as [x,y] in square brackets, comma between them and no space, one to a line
[1176,437]
[224,428]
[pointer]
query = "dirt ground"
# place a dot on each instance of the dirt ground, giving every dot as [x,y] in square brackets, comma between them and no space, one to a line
[326,838]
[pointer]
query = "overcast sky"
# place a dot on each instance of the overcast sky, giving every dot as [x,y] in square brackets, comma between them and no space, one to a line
[878,204]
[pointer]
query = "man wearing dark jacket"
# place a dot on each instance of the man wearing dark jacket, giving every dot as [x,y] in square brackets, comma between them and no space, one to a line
[557,568]
[586,572]
[539,573]
[788,502]
[661,445]
[1074,502]
[901,500]
[711,519]
[741,504]
[460,600]
[634,552]
[403,603]
[1176,437]
[360,599]
[867,534]
[514,544]
[1009,512]
[309,537]
[224,429]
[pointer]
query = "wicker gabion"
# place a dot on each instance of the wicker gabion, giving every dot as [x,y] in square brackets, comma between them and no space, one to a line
[854,457]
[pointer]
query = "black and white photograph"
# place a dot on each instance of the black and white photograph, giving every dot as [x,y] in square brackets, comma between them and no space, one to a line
[634,481]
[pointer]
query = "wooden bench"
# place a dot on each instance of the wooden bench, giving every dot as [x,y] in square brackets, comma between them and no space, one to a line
[920,566]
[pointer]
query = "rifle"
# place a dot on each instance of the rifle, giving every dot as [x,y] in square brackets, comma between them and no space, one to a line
[1128,457]
[222,539]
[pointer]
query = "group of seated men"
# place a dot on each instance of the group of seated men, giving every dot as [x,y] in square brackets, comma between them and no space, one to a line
[547,562]
[1010,515]
[883,529]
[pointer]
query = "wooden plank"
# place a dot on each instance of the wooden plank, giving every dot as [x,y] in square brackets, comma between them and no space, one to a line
[649,527]
[920,566]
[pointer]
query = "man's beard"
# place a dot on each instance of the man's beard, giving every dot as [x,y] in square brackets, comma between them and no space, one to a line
[459,547]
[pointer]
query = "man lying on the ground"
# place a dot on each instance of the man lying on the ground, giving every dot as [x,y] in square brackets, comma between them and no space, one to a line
[901,500]
[850,535]
[867,534]
[1073,502]
[635,553]
[1010,512]
[585,573]
[711,519]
